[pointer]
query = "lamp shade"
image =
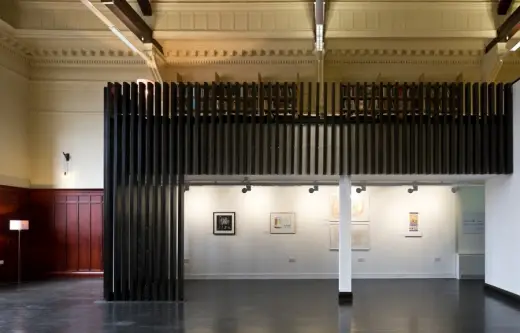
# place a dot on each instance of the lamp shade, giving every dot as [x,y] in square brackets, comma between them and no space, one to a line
[19,225]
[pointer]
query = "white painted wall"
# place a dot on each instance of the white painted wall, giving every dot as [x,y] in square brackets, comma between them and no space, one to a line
[503,219]
[67,116]
[14,165]
[254,253]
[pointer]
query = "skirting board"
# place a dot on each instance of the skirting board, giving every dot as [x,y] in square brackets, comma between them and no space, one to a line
[344,298]
[313,276]
[501,292]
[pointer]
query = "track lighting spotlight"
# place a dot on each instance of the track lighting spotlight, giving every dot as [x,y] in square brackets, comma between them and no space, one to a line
[246,189]
[361,189]
[414,188]
[454,189]
[313,189]
[186,187]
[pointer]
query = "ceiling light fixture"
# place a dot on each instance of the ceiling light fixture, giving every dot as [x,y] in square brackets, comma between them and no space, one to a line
[414,188]
[313,189]
[360,189]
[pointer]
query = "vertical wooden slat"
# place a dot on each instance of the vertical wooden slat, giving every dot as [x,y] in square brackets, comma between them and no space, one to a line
[141,194]
[245,131]
[116,198]
[477,130]
[444,132]
[420,147]
[333,125]
[397,131]
[228,161]
[492,143]
[300,129]
[183,143]
[357,129]
[325,130]
[269,130]
[414,138]
[389,168]
[429,150]
[108,222]
[461,151]
[284,140]
[405,134]
[348,148]
[308,131]
[452,167]
[373,131]
[205,133]
[261,131]
[125,265]
[252,102]
[221,135]
[148,204]
[174,144]
[155,176]
[508,114]
[132,184]
[212,137]
[163,217]
[189,128]
[484,161]
[276,113]
[436,146]
[365,129]
[293,114]
[468,130]
[500,129]
[316,155]
[342,112]
[236,159]
[197,129]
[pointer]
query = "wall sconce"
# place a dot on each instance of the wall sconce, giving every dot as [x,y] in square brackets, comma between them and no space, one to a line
[67,159]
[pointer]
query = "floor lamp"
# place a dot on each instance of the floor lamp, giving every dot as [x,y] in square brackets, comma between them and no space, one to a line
[19,225]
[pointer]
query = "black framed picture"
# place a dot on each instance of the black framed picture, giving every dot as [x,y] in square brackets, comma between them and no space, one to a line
[223,223]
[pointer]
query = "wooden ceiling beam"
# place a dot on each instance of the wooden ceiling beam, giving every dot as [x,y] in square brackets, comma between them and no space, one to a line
[146,7]
[503,6]
[506,30]
[132,21]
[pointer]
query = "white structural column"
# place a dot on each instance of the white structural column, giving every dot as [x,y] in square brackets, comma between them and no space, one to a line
[503,219]
[345,248]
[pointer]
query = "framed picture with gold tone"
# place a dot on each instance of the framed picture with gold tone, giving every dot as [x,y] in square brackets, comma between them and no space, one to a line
[283,223]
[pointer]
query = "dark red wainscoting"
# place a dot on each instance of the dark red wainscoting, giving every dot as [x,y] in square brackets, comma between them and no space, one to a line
[74,223]
[13,205]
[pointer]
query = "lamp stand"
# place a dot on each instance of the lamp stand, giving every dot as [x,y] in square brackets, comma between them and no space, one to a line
[19,258]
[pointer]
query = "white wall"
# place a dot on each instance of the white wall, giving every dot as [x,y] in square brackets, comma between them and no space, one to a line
[67,116]
[254,253]
[14,165]
[503,219]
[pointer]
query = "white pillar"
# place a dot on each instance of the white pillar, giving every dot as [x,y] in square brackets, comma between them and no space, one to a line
[345,249]
[502,232]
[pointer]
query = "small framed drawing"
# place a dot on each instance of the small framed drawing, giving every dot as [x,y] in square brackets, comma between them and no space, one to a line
[283,223]
[360,233]
[223,223]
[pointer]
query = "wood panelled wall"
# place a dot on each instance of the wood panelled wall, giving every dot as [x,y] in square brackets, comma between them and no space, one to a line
[75,222]
[65,234]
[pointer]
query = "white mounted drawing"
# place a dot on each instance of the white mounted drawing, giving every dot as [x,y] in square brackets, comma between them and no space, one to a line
[359,207]
[283,223]
[334,236]
[360,236]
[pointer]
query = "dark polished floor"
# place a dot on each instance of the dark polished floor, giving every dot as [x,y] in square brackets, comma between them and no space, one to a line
[281,306]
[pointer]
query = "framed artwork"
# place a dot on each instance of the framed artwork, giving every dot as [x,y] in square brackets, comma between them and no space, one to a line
[359,207]
[413,225]
[283,223]
[334,236]
[360,233]
[224,223]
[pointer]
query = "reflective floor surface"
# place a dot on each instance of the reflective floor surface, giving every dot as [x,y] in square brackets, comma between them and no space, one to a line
[263,306]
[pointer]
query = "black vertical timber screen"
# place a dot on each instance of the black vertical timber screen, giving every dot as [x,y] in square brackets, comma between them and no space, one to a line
[156,135]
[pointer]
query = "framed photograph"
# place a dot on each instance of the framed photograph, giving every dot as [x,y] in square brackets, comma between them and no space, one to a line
[283,223]
[334,236]
[224,223]
[360,236]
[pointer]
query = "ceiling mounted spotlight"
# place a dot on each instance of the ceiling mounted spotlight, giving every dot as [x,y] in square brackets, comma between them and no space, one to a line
[246,189]
[313,189]
[454,189]
[361,189]
[414,188]
[186,187]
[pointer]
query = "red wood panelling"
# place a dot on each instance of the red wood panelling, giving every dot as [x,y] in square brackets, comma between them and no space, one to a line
[13,205]
[76,221]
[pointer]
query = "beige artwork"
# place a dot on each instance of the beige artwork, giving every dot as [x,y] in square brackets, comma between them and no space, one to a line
[359,207]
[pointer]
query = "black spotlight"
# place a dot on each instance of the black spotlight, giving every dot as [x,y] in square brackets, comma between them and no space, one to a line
[246,189]
[414,188]
[313,189]
[361,189]
[454,189]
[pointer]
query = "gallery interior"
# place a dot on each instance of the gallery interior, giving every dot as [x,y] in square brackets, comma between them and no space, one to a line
[257,166]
